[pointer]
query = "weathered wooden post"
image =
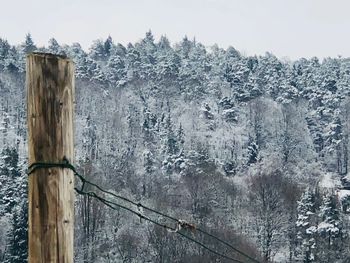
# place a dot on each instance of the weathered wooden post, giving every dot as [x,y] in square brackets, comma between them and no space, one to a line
[50,97]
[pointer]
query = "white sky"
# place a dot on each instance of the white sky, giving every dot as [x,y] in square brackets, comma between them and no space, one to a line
[287,28]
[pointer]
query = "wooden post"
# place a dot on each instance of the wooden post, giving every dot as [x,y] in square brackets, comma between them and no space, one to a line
[50,100]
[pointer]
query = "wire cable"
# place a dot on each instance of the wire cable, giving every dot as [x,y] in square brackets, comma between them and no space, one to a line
[113,206]
[84,181]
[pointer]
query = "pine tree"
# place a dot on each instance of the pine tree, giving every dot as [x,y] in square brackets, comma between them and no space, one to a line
[171,145]
[232,53]
[149,46]
[4,51]
[18,236]
[28,45]
[147,51]
[171,142]
[306,225]
[54,47]
[12,62]
[329,229]
[149,126]
[13,203]
[81,61]
[115,71]
[10,181]
[133,63]
[163,43]
[253,151]
[168,65]
[180,136]
[185,47]
[108,46]
[97,50]
[95,71]
[119,50]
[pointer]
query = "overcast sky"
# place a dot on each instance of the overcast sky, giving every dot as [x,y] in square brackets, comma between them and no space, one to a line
[287,28]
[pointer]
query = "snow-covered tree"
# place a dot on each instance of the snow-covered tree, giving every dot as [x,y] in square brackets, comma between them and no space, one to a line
[97,50]
[17,248]
[267,208]
[54,47]
[12,189]
[4,51]
[307,226]
[115,69]
[28,45]
[180,127]
[330,229]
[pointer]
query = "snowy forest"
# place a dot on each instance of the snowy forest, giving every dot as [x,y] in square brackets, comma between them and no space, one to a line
[254,149]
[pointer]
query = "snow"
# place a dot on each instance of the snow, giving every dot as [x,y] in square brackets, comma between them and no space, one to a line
[327,227]
[234,116]
[228,111]
[311,230]
[329,180]
[343,194]
[281,255]
[347,177]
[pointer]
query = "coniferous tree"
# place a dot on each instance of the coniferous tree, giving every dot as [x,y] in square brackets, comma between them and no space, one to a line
[171,142]
[108,46]
[12,61]
[330,230]
[4,51]
[54,47]
[253,152]
[185,47]
[133,63]
[11,181]
[18,236]
[28,45]
[115,71]
[307,227]
[81,61]
[97,50]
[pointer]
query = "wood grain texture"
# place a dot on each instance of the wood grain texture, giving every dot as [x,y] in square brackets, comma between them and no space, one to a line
[50,102]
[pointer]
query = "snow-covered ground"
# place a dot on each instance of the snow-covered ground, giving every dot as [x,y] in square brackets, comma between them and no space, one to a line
[330,181]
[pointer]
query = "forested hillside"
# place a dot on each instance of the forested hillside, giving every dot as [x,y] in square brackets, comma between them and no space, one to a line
[253,149]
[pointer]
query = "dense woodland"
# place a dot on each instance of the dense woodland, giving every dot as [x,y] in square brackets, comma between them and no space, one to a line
[253,149]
